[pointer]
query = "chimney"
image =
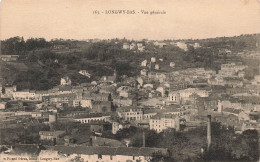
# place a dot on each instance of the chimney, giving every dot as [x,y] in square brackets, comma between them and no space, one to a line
[143,139]
[209,131]
[219,106]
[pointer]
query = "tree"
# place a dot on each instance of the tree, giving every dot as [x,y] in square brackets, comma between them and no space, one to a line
[159,157]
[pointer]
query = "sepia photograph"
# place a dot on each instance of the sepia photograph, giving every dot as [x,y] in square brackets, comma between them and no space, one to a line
[129,80]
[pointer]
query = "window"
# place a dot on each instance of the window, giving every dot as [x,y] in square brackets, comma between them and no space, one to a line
[99,156]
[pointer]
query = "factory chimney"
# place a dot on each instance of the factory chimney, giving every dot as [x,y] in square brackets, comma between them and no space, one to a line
[209,131]
[143,139]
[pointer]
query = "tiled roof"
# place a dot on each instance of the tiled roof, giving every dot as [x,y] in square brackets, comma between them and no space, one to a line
[168,116]
[107,103]
[91,115]
[53,133]
[65,88]
[32,149]
[231,110]
[103,150]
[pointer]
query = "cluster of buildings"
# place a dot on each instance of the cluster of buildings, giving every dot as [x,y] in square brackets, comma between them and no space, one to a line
[35,152]
[140,46]
[156,99]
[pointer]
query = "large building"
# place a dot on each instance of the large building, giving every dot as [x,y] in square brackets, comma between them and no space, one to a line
[162,122]
[174,97]
[24,95]
[94,117]
[130,114]
[50,135]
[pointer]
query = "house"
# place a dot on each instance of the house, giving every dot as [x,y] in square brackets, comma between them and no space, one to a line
[196,45]
[231,69]
[51,135]
[182,45]
[174,97]
[153,59]
[156,67]
[3,105]
[172,64]
[85,73]
[126,46]
[9,90]
[140,44]
[129,113]
[189,91]
[243,116]
[160,44]
[144,63]
[109,79]
[132,46]
[62,98]
[256,80]
[92,117]
[162,122]
[123,91]
[86,103]
[116,126]
[24,95]
[123,94]
[144,72]
[65,81]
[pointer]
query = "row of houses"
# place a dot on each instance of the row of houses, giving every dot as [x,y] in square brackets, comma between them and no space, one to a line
[80,153]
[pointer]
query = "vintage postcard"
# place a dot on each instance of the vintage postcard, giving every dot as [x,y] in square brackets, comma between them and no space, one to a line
[129,80]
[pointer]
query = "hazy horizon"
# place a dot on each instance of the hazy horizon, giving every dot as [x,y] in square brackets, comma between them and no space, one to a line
[68,19]
[131,38]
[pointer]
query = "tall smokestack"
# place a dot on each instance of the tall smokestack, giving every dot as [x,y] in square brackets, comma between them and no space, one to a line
[143,139]
[209,131]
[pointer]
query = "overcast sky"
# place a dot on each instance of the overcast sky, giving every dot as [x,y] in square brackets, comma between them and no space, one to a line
[73,19]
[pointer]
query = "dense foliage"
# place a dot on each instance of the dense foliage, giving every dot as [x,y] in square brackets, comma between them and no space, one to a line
[226,145]
[42,63]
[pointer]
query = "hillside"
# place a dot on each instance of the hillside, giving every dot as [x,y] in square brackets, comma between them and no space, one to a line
[42,63]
